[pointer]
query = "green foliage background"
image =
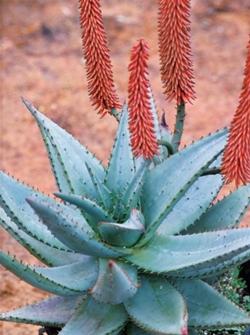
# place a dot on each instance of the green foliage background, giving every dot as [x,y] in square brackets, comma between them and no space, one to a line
[232,286]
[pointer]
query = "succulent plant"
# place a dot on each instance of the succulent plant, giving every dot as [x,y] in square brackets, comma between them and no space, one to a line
[135,247]
[133,243]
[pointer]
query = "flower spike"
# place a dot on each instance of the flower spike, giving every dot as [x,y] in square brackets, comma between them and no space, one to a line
[141,123]
[175,50]
[236,158]
[101,86]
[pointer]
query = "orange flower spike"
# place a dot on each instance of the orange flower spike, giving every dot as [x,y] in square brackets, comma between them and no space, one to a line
[141,123]
[236,158]
[175,50]
[101,86]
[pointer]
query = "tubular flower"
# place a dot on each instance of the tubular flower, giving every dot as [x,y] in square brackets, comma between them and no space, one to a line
[101,86]
[141,123]
[175,50]
[236,158]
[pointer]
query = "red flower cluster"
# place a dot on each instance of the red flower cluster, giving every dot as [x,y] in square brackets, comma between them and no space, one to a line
[236,158]
[141,123]
[98,64]
[175,50]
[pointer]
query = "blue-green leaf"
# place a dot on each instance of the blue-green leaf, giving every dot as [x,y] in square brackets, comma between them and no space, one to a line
[116,282]
[155,115]
[64,280]
[67,157]
[216,163]
[167,182]
[73,231]
[216,267]
[90,207]
[162,133]
[157,307]
[53,312]
[13,196]
[192,205]
[121,164]
[131,195]
[174,254]
[93,318]
[125,234]
[78,276]
[104,194]
[166,136]
[207,308]
[225,213]
[45,253]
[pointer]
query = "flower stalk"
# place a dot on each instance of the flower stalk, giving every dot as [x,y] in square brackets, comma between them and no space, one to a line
[179,126]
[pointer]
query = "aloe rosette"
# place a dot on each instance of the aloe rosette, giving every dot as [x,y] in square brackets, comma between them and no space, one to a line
[131,247]
[135,247]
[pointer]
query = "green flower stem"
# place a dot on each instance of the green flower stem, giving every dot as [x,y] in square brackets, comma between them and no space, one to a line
[116,114]
[179,125]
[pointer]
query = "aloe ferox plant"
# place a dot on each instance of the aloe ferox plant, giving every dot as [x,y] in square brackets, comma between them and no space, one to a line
[135,247]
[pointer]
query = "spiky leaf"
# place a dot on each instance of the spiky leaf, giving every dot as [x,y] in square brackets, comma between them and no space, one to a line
[116,282]
[155,114]
[104,194]
[72,231]
[157,307]
[216,164]
[54,312]
[71,174]
[45,253]
[93,318]
[168,181]
[174,254]
[225,213]
[207,308]
[13,196]
[133,191]
[95,211]
[64,280]
[157,129]
[121,164]
[216,267]
[125,234]
[192,205]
